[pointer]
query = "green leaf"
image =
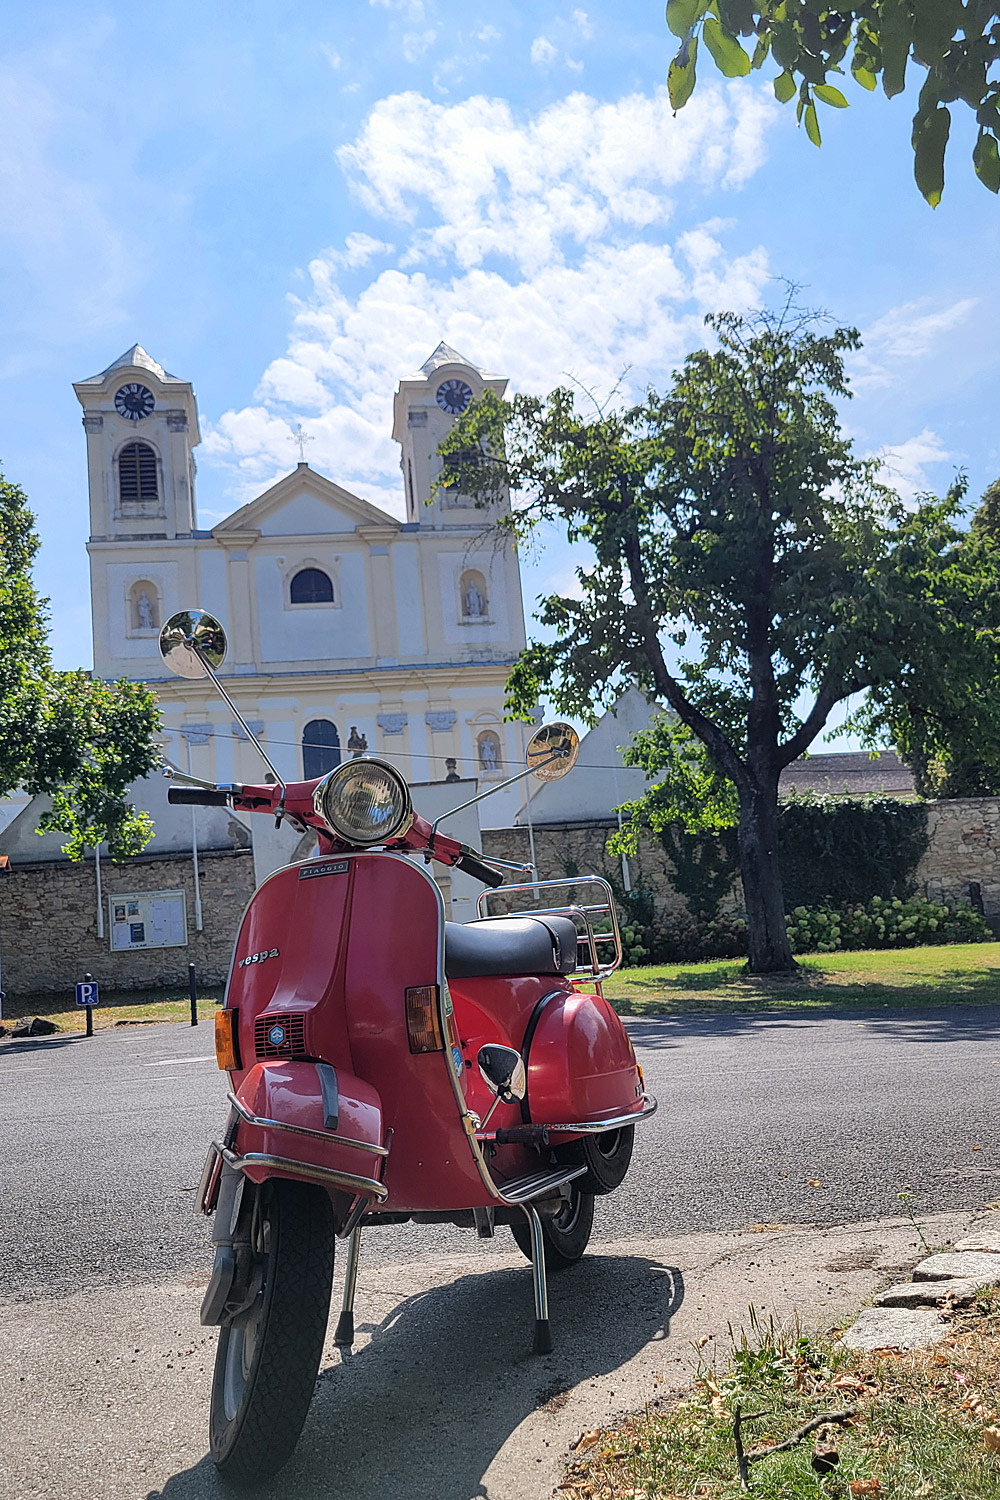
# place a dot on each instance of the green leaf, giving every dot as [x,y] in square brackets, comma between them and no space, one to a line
[930,137]
[681,15]
[760,52]
[866,78]
[680,75]
[729,56]
[986,160]
[784,87]
[894,39]
[830,95]
[812,125]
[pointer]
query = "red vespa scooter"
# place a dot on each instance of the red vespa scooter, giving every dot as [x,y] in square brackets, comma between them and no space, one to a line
[386,1066]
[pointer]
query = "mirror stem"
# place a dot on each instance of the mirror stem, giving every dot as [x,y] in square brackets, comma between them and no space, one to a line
[250,734]
[556,755]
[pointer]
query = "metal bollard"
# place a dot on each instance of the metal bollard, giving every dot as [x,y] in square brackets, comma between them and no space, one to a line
[88,979]
[193,988]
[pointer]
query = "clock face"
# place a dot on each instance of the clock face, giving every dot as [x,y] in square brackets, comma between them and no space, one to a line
[453,396]
[134,402]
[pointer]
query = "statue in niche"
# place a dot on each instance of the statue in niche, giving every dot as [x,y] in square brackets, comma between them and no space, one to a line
[451,768]
[145,616]
[357,743]
[489,752]
[473,602]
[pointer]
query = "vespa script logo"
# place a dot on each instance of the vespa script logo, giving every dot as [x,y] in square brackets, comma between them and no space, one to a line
[257,958]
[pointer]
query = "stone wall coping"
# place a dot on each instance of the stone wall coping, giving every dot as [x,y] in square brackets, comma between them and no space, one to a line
[136,859]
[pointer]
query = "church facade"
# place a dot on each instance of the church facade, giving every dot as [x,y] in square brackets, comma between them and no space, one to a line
[349,630]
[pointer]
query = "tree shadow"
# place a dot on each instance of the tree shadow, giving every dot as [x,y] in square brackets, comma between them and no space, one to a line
[16,1046]
[926,1023]
[448,1377]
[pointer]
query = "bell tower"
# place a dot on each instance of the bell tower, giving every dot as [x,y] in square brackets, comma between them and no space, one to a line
[142,427]
[425,407]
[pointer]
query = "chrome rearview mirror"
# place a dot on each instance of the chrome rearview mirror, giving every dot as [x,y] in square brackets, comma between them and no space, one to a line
[193,643]
[552,751]
[503,1072]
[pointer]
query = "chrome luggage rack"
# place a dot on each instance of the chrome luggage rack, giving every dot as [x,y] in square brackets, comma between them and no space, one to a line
[587,914]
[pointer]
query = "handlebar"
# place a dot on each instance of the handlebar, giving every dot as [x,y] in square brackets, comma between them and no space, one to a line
[469,862]
[196,796]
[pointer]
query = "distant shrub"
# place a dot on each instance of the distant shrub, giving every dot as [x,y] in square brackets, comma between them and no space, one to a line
[884,922]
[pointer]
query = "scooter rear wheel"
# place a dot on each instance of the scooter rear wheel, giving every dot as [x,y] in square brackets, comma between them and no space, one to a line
[268,1357]
[565,1237]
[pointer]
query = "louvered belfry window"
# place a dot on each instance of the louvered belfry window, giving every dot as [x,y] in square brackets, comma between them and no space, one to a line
[137,474]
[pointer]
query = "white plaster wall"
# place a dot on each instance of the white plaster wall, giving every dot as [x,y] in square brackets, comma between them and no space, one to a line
[292,633]
[306,515]
[213,593]
[405,557]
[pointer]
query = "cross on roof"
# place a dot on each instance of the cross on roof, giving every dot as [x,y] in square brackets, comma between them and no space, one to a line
[301,437]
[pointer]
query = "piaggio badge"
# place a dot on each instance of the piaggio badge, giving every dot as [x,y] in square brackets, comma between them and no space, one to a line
[257,958]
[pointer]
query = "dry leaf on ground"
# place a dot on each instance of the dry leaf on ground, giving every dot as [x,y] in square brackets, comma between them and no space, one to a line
[991,1437]
[865,1487]
[587,1439]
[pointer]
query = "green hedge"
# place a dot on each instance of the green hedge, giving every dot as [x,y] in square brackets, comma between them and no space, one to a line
[883,922]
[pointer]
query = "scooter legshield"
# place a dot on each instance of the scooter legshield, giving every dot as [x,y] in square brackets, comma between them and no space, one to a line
[288,1096]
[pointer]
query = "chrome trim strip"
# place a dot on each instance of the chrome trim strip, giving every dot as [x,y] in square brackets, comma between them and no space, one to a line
[319,1135]
[205,1190]
[538,1185]
[597,1127]
[322,1175]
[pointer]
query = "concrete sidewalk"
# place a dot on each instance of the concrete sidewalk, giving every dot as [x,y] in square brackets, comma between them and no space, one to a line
[104,1395]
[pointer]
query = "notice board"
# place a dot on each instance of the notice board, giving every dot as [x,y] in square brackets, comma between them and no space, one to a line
[147,919]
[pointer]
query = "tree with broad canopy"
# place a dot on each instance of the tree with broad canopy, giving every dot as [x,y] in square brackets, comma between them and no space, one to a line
[746,569]
[79,741]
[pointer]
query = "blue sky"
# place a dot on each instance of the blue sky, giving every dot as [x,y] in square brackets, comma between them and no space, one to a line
[290,206]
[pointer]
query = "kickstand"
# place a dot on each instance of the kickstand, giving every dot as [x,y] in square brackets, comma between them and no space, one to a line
[543,1333]
[344,1336]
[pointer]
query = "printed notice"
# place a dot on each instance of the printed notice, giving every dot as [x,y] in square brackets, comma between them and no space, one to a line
[150,919]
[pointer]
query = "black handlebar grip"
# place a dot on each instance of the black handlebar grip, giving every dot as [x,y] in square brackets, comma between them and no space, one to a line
[196,796]
[473,865]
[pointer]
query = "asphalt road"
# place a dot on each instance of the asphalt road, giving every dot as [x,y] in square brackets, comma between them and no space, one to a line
[818,1120]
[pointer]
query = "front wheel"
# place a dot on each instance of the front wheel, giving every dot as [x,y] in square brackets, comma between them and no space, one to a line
[268,1357]
[565,1237]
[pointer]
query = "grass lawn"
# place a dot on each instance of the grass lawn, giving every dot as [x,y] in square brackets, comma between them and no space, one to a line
[117,1007]
[921,1424]
[960,973]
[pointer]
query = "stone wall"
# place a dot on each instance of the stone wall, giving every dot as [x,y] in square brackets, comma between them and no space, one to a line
[963,854]
[48,922]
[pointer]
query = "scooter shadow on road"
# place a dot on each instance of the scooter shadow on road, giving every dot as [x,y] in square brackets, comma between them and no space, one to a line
[425,1407]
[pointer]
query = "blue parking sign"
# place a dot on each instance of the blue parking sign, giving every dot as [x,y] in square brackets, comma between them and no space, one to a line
[86,994]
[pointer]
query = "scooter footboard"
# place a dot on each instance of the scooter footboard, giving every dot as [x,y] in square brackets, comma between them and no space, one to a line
[310,1121]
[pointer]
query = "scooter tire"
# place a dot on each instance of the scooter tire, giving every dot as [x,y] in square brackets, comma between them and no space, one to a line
[565,1237]
[268,1358]
[606,1156]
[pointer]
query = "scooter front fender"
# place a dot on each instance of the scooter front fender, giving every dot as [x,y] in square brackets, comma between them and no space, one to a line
[310,1121]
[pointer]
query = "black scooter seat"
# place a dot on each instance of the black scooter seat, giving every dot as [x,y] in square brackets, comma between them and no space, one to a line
[509,945]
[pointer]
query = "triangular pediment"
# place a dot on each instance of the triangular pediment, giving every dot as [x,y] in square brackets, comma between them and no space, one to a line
[305,503]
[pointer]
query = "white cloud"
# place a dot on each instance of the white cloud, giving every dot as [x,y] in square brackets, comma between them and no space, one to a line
[412,9]
[573,64]
[904,465]
[416,43]
[904,334]
[542,51]
[583,24]
[331,54]
[535,246]
[488,34]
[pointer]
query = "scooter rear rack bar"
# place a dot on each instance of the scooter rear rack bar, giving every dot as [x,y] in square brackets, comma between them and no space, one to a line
[585,914]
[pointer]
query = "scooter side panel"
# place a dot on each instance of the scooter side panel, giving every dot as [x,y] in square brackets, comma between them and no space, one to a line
[581,1065]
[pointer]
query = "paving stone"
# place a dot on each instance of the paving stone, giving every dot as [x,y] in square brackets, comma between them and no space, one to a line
[928,1293]
[958,1265]
[896,1328]
[987,1240]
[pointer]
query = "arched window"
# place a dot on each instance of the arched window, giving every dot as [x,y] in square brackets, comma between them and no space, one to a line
[320,748]
[144,606]
[137,474]
[472,596]
[311,586]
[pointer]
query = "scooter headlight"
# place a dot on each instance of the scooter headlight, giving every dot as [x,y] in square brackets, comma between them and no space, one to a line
[364,802]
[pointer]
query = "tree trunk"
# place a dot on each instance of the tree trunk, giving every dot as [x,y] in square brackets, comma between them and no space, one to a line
[770,950]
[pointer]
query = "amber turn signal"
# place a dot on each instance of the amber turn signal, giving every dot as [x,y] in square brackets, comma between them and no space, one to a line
[227,1047]
[423,1025]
